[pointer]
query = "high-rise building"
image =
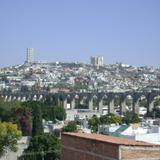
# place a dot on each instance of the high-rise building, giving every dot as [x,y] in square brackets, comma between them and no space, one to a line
[97,61]
[93,60]
[100,60]
[30,55]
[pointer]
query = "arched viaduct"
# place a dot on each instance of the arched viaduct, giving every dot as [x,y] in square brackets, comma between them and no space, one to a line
[73,97]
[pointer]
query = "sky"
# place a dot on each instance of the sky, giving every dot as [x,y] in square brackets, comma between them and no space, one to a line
[126,31]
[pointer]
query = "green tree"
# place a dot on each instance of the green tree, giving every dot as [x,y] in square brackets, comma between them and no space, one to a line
[110,119]
[24,119]
[116,100]
[70,127]
[48,112]
[47,108]
[42,147]
[157,102]
[37,128]
[130,117]
[143,102]
[93,123]
[128,101]
[95,101]
[6,113]
[9,134]
[155,113]
[106,101]
[60,113]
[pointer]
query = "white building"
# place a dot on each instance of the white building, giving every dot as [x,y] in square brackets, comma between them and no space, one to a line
[30,55]
[2,85]
[148,134]
[28,83]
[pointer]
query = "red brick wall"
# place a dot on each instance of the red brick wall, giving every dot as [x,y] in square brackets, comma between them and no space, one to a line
[140,152]
[75,148]
[87,148]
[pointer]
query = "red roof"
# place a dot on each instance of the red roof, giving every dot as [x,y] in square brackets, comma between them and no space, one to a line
[111,139]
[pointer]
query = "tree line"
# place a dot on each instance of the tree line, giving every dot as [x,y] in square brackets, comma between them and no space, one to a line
[25,119]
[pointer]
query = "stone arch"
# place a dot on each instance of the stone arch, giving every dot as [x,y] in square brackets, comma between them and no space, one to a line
[24,98]
[127,102]
[34,98]
[76,99]
[95,102]
[84,102]
[140,99]
[68,96]
[59,99]
[116,100]
[105,103]
[40,97]
[68,101]
[154,101]
[56,100]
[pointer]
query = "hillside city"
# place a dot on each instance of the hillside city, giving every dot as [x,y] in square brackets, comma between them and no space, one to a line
[80,80]
[51,128]
[68,77]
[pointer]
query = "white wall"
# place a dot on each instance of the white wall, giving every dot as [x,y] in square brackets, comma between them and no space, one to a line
[151,138]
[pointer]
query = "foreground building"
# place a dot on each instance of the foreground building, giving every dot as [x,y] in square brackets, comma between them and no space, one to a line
[78,146]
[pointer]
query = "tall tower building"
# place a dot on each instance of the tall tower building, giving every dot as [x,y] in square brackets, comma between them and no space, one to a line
[97,61]
[30,55]
[100,61]
[93,60]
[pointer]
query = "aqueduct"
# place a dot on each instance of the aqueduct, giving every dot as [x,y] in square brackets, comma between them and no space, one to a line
[73,98]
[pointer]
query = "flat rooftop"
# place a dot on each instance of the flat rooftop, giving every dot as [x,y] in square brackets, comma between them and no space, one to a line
[111,139]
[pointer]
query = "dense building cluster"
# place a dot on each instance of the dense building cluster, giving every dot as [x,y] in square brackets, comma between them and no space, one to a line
[80,77]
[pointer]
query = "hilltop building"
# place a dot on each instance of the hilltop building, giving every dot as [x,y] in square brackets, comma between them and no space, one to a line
[97,61]
[30,55]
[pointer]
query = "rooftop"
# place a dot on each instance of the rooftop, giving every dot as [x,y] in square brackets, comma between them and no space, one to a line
[110,139]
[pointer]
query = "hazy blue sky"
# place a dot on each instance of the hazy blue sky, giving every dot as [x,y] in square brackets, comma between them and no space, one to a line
[125,31]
